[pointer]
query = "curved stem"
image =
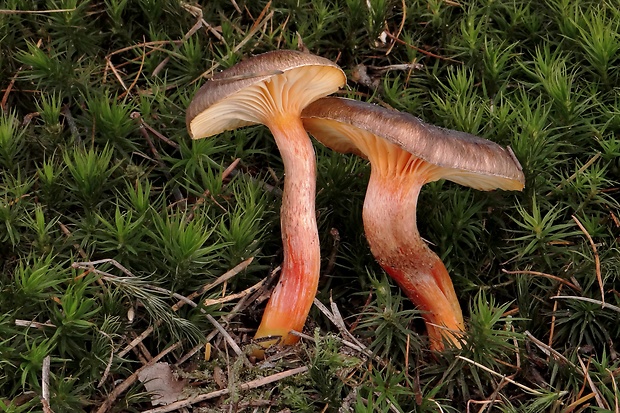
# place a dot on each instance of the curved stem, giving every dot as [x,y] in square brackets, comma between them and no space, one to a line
[292,298]
[390,226]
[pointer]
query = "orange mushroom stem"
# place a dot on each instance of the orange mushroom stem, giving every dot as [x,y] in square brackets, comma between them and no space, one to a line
[406,153]
[292,298]
[390,225]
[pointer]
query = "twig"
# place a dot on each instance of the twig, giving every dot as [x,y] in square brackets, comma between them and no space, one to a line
[143,44]
[135,80]
[615,386]
[597,260]
[573,176]
[232,297]
[116,74]
[400,27]
[129,381]
[197,12]
[257,25]
[488,370]
[550,276]
[549,351]
[236,6]
[137,340]
[222,278]
[229,316]
[45,385]
[108,366]
[5,11]
[242,387]
[8,90]
[33,324]
[553,318]
[226,336]
[344,342]
[580,400]
[337,320]
[589,300]
[67,233]
[597,395]
[425,52]
[14,78]
[180,297]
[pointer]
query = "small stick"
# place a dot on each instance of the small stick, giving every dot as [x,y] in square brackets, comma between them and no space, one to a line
[589,300]
[597,260]
[135,80]
[139,45]
[336,319]
[45,385]
[400,27]
[341,340]
[246,39]
[176,192]
[226,276]
[552,329]
[236,6]
[549,351]
[232,297]
[407,354]
[580,400]
[263,381]
[5,11]
[615,386]
[219,280]
[207,193]
[597,395]
[33,324]
[116,74]
[186,36]
[8,90]
[226,336]
[425,52]
[359,317]
[108,366]
[180,297]
[580,170]
[550,276]
[137,340]
[488,370]
[121,388]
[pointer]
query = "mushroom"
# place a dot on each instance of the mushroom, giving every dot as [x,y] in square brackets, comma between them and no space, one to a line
[272,89]
[405,153]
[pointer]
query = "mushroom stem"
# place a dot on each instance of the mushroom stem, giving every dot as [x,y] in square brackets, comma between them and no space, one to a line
[390,227]
[292,298]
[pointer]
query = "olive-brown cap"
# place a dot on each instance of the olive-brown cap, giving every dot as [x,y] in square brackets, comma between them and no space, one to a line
[257,88]
[349,126]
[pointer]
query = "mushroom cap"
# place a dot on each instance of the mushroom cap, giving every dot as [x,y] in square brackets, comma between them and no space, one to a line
[251,91]
[466,159]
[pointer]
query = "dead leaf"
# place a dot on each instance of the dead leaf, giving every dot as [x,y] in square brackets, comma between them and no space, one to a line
[160,381]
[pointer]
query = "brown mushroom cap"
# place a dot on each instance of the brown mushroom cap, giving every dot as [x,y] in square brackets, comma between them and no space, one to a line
[466,159]
[254,89]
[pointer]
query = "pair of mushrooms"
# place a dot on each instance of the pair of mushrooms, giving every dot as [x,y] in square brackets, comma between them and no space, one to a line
[285,90]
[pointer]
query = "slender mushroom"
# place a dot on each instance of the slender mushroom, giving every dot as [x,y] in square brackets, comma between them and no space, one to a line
[272,89]
[405,153]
